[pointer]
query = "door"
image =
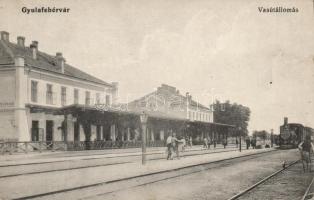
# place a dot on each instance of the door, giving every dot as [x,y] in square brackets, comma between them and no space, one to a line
[49,132]
[35,131]
[98,133]
[76,132]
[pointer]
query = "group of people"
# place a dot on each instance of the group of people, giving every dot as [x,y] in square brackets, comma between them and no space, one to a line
[250,142]
[174,146]
[207,142]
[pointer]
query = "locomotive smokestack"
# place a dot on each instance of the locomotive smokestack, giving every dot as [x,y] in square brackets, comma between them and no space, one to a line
[285,120]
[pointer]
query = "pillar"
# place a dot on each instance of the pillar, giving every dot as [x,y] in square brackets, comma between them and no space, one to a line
[20,116]
[42,127]
[128,134]
[70,128]
[152,138]
[162,134]
[113,132]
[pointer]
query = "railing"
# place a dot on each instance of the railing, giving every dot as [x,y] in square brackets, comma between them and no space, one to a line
[41,146]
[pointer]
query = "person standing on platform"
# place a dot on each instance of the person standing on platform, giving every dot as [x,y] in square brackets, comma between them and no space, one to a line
[179,146]
[237,142]
[190,141]
[183,144]
[209,142]
[305,148]
[253,142]
[224,142]
[214,142]
[205,145]
[169,139]
[174,146]
[248,142]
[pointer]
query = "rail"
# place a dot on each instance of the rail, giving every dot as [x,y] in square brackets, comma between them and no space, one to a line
[307,195]
[261,181]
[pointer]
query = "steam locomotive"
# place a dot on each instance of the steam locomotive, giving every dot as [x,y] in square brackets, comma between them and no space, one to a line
[291,134]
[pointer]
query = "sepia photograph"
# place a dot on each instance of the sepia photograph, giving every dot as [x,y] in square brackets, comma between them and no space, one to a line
[157,99]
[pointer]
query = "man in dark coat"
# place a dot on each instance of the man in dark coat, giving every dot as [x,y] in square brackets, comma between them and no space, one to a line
[247,140]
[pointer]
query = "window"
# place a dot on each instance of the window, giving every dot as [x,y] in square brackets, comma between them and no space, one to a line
[49,94]
[34,91]
[63,96]
[87,97]
[107,99]
[76,96]
[97,98]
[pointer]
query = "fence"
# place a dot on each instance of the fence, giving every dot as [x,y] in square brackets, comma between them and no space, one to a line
[40,146]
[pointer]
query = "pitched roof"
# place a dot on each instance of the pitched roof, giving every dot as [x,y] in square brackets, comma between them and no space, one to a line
[44,61]
[169,93]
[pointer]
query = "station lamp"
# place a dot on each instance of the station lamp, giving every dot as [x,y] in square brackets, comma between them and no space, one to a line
[143,119]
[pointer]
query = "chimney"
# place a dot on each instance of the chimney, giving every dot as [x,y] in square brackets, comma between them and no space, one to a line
[34,51]
[35,44]
[188,97]
[5,36]
[21,41]
[285,120]
[19,61]
[60,61]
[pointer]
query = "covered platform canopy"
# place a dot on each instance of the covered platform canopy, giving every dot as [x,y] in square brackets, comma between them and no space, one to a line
[127,123]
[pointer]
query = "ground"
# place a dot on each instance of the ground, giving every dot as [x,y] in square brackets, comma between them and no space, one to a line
[218,180]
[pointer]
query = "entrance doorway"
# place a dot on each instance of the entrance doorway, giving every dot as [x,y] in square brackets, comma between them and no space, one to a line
[76,131]
[49,131]
[98,133]
[35,131]
[106,132]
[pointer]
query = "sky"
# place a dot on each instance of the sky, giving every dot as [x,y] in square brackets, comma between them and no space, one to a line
[213,49]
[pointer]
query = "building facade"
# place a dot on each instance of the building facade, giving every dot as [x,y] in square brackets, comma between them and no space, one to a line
[34,84]
[168,100]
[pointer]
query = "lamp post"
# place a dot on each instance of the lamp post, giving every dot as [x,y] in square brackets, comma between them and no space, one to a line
[239,130]
[271,137]
[143,118]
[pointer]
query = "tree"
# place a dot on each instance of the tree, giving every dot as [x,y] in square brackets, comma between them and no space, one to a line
[233,114]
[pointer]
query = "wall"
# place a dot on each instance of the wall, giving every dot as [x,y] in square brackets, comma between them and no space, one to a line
[7,105]
[70,85]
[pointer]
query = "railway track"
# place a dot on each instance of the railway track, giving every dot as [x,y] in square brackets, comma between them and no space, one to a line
[242,193]
[91,166]
[148,178]
[309,192]
[281,185]
[105,157]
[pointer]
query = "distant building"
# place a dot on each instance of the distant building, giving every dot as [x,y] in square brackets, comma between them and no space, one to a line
[168,101]
[33,84]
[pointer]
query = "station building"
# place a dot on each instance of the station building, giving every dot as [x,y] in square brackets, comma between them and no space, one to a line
[45,99]
[197,120]
[167,99]
[33,85]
